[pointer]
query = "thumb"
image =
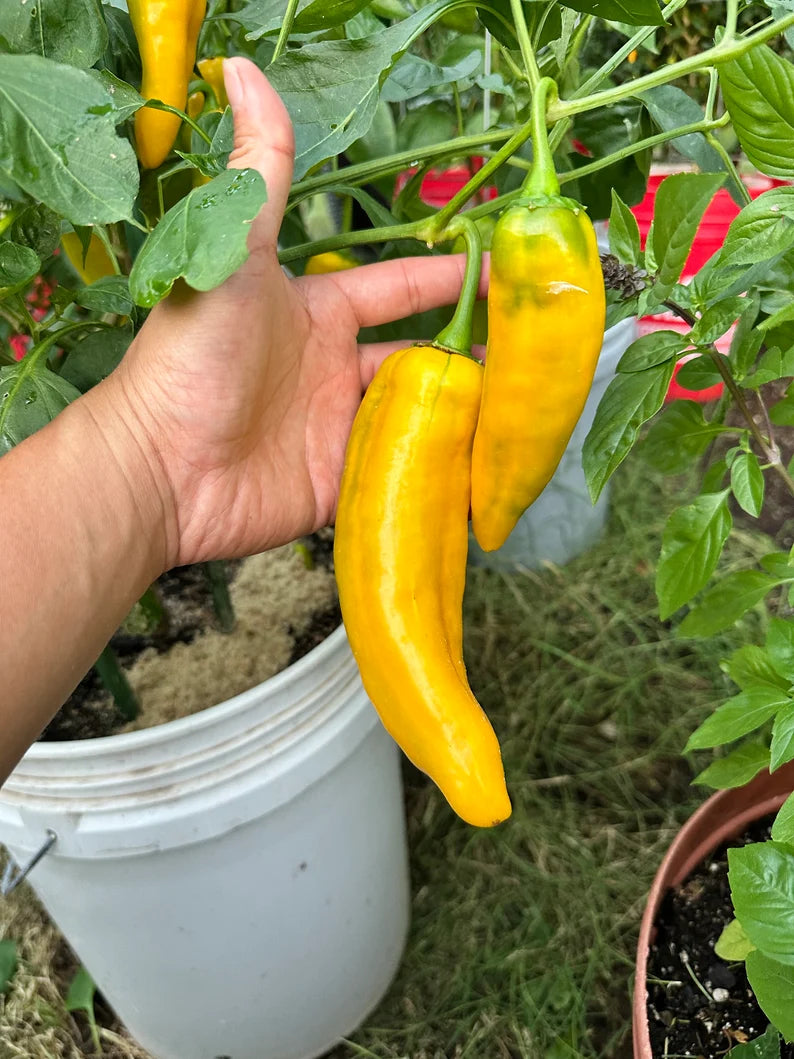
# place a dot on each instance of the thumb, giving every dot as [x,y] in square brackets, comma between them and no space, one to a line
[263,140]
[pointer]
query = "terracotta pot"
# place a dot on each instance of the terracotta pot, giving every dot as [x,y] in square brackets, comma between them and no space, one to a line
[723,816]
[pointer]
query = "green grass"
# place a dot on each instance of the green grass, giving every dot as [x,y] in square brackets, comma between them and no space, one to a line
[522,939]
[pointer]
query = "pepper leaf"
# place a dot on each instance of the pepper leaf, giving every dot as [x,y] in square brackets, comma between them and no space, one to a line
[761,877]
[670,108]
[782,747]
[30,396]
[68,31]
[726,602]
[764,1047]
[623,232]
[783,827]
[630,400]
[736,768]
[758,90]
[747,483]
[738,716]
[678,437]
[18,266]
[733,944]
[635,12]
[691,546]
[656,347]
[680,204]
[58,141]
[773,985]
[261,17]
[202,239]
[780,647]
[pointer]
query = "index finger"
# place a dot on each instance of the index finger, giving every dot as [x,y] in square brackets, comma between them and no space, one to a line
[392,290]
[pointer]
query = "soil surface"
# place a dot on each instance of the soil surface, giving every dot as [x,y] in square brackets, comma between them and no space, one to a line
[285,604]
[702,1020]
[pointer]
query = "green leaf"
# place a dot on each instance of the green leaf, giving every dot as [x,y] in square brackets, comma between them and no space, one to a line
[412,76]
[670,108]
[30,396]
[331,89]
[680,204]
[377,213]
[774,364]
[747,340]
[262,17]
[733,944]
[38,228]
[761,877]
[758,91]
[751,665]
[773,985]
[716,320]
[8,962]
[635,12]
[624,232]
[782,747]
[736,768]
[763,229]
[738,716]
[202,238]
[111,294]
[783,827]
[124,97]
[80,997]
[782,413]
[726,602]
[214,160]
[747,483]
[780,646]
[58,141]
[18,266]
[649,350]
[698,373]
[765,1047]
[678,437]
[68,31]
[630,400]
[691,546]
[95,357]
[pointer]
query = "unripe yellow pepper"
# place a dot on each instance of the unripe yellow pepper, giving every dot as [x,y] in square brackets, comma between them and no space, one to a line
[167,34]
[400,558]
[333,261]
[546,311]
[97,262]
[211,70]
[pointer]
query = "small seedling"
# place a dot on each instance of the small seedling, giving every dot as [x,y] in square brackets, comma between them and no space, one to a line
[81,998]
[8,963]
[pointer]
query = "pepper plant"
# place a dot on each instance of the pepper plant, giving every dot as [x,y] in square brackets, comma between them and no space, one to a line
[382,92]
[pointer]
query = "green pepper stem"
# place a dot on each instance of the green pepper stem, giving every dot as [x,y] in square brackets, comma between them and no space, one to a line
[215,572]
[542,179]
[524,43]
[457,335]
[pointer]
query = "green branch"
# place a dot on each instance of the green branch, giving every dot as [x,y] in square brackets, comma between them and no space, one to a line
[286,29]
[457,335]
[525,44]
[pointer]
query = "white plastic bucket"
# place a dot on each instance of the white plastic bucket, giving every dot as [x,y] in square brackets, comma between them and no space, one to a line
[236,882]
[563,522]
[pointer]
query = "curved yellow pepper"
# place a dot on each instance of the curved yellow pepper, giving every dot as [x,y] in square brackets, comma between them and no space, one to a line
[400,557]
[96,264]
[211,71]
[546,310]
[167,34]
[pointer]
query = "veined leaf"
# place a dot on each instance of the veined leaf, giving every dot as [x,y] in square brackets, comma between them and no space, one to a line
[758,90]
[738,716]
[691,546]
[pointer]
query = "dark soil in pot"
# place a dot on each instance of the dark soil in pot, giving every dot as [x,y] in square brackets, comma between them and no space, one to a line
[285,604]
[699,1005]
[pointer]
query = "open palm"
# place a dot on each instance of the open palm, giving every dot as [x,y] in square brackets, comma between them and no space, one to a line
[247,393]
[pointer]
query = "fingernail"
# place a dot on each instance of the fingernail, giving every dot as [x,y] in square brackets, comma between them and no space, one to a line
[235,88]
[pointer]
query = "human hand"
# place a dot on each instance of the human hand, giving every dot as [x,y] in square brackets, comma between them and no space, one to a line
[242,398]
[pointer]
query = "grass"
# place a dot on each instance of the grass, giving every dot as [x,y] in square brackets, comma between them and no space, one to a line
[522,940]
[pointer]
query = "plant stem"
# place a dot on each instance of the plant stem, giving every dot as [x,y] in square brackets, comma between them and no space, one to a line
[542,179]
[720,53]
[342,240]
[457,335]
[731,16]
[458,108]
[481,177]
[524,43]
[215,572]
[30,323]
[734,177]
[154,612]
[767,446]
[104,238]
[286,29]
[115,681]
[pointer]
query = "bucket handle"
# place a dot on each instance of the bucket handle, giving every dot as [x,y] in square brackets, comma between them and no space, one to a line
[13,875]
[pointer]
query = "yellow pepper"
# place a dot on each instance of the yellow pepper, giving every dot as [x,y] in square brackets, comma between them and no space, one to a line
[94,265]
[167,35]
[400,557]
[333,261]
[211,71]
[546,310]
